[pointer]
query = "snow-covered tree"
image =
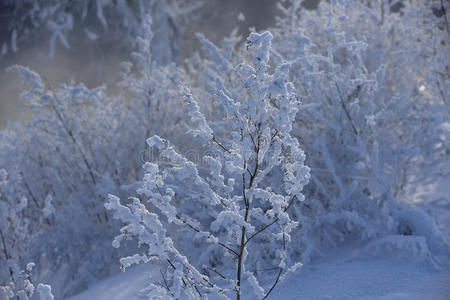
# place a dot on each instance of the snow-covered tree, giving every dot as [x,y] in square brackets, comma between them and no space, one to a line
[235,202]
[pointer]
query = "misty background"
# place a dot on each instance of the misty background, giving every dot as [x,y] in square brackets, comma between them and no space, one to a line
[95,63]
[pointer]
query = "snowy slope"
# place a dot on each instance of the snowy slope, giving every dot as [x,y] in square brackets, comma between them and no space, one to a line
[121,286]
[347,273]
[367,278]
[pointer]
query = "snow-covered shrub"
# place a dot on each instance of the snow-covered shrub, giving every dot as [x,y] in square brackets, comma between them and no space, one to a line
[149,92]
[15,236]
[373,113]
[54,164]
[418,223]
[72,154]
[233,205]
[367,126]
[22,287]
[416,234]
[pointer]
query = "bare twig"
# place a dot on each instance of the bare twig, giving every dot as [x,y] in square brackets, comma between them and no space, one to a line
[347,113]
[218,273]
[279,273]
[274,284]
[444,11]
[7,256]
[220,145]
[165,281]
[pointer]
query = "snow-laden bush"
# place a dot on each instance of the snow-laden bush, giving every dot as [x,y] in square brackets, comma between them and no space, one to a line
[22,287]
[374,110]
[235,207]
[372,123]
[15,237]
[72,154]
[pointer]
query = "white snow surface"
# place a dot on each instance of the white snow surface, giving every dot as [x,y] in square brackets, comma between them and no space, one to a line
[346,273]
[124,285]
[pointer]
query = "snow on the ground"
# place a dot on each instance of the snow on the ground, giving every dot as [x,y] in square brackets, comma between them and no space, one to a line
[347,273]
[123,286]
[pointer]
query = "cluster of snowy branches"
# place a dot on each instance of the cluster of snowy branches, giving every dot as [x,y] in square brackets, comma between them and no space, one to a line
[73,154]
[359,112]
[238,213]
[14,237]
[373,128]
[376,101]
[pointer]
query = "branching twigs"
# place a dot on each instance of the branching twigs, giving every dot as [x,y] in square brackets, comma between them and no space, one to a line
[274,284]
[210,235]
[198,230]
[7,256]
[271,223]
[61,118]
[275,134]
[444,12]
[279,272]
[217,272]
[347,113]
[75,142]
[165,281]
[441,91]
[220,145]
[27,187]
[186,280]
[5,252]
[173,267]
